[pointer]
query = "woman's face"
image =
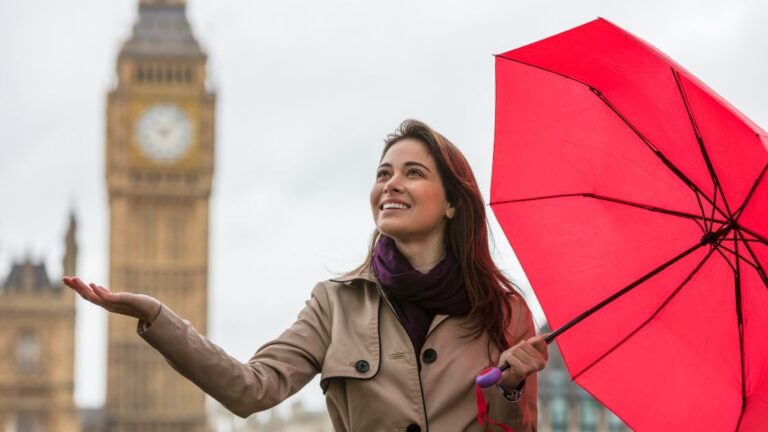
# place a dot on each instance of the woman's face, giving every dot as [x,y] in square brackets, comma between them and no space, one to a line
[408,198]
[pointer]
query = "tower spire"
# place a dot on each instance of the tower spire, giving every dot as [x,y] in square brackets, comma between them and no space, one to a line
[70,247]
[162,31]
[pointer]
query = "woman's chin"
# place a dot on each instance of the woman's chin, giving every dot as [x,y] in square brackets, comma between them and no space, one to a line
[391,230]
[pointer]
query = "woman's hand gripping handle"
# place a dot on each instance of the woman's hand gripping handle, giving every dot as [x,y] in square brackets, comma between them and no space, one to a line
[515,364]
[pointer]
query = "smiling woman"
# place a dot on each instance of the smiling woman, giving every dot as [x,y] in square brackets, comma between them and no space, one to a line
[398,340]
[408,202]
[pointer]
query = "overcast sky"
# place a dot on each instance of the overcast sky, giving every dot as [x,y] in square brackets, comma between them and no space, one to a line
[306,93]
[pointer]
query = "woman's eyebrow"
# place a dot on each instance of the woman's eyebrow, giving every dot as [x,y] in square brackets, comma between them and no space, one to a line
[409,163]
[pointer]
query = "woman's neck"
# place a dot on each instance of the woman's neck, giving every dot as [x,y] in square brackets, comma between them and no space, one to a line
[423,255]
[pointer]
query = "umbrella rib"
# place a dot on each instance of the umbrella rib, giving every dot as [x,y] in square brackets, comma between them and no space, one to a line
[714,203]
[759,266]
[653,315]
[661,155]
[751,192]
[702,228]
[740,323]
[543,68]
[701,207]
[700,140]
[642,137]
[614,200]
[629,287]
[725,257]
[757,236]
[733,252]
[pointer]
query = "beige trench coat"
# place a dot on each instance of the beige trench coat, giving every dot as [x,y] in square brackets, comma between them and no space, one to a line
[348,332]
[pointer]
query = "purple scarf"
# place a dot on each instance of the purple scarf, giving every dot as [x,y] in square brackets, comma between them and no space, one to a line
[418,297]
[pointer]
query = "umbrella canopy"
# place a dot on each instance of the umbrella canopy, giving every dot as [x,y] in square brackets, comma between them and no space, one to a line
[629,189]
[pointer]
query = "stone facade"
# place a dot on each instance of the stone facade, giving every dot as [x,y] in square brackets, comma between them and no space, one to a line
[159,170]
[37,347]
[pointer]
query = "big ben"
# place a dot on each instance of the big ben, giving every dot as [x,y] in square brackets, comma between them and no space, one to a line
[159,171]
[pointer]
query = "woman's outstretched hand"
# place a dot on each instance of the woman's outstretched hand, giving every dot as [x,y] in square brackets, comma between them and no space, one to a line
[139,306]
[527,357]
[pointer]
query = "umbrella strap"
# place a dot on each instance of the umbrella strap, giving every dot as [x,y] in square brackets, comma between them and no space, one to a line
[483,411]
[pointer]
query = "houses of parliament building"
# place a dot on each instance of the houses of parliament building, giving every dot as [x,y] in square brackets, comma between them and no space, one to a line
[158,166]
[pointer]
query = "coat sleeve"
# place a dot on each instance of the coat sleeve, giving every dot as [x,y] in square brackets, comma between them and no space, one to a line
[522,415]
[277,370]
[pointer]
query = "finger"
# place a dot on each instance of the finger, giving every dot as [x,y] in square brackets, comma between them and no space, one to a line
[503,358]
[513,371]
[535,358]
[68,281]
[531,360]
[538,338]
[520,360]
[506,358]
[506,353]
[535,348]
[539,342]
[82,289]
[72,285]
[98,291]
[79,283]
[106,295]
[92,295]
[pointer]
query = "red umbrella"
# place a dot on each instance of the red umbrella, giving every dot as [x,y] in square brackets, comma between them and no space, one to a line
[630,190]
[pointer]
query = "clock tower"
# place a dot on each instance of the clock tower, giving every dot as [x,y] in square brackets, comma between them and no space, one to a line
[159,170]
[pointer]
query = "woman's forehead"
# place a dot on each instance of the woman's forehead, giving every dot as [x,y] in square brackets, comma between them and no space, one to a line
[408,150]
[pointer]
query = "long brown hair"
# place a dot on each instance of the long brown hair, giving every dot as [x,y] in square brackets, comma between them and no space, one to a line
[466,234]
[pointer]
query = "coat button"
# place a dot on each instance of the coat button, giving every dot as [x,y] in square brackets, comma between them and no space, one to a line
[362,366]
[413,427]
[429,356]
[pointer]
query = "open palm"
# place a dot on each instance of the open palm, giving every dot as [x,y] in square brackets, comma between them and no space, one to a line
[139,306]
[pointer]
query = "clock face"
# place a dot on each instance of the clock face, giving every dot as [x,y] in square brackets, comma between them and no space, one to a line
[164,132]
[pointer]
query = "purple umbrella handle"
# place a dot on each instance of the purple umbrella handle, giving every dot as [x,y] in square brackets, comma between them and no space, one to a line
[491,376]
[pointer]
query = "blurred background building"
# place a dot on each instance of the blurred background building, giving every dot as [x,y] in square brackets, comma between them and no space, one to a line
[37,346]
[159,172]
[297,419]
[159,175]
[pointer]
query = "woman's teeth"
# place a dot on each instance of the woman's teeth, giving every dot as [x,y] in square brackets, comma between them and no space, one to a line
[395,205]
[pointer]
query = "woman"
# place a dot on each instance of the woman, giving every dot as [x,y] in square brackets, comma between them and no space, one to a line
[397,341]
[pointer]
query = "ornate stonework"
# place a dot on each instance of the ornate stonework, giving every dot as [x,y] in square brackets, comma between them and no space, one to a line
[37,347]
[159,170]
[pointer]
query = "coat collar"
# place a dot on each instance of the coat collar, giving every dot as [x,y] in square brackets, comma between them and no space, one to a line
[367,274]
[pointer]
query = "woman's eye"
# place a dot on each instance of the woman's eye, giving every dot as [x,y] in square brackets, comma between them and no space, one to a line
[381,174]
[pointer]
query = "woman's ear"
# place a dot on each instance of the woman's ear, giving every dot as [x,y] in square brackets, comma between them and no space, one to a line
[450,211]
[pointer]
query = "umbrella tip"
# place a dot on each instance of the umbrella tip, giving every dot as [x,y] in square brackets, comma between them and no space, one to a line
[603,19]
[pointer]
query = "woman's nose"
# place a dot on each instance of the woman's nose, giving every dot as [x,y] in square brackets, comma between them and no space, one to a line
[393,184]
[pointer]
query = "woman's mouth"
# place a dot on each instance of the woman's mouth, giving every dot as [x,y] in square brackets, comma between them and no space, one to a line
[394,206]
